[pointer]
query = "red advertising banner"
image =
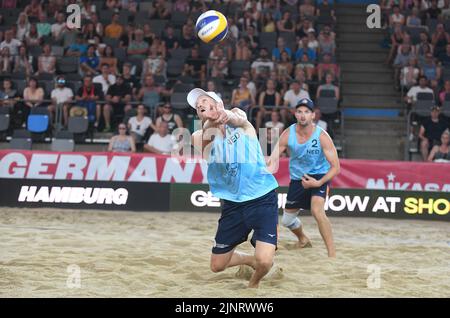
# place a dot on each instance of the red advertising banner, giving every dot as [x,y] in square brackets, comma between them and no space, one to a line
[103,166]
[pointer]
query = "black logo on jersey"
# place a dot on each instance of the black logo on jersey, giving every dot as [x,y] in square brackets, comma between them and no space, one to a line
[313,151]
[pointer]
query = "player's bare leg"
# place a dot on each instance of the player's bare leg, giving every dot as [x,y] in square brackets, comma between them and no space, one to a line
[220,262]
[264,254]
[303,240]
[318,211]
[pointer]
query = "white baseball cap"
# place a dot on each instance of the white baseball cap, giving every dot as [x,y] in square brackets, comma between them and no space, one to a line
[197,92]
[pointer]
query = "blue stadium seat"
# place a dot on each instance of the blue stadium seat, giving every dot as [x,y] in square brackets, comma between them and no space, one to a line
[38,123]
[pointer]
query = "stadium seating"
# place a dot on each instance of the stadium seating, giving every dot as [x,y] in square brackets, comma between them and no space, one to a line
[21,140]
[63,141]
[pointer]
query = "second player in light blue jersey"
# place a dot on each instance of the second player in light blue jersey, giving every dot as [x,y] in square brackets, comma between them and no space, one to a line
[313,163]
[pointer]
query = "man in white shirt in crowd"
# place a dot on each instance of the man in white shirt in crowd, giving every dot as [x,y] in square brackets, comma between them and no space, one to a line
[106,79]
[262,66]
[59,25]
[139,124]
[319,122]
[291,98]
[61,95]
[411,96]
[10,42]
[161,142]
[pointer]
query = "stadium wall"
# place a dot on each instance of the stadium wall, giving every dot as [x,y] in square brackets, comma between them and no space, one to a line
[142,182]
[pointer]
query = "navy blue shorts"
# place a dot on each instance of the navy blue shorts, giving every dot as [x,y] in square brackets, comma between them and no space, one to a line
[238,219]
[300,198]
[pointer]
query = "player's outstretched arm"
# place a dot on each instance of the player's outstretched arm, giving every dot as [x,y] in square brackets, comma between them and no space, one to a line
[280,147]
[330,152]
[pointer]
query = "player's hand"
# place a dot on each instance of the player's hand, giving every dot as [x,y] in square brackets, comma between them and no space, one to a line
[222,117]
[310,182]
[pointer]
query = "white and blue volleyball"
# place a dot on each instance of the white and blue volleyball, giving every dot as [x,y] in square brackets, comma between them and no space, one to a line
[211,26]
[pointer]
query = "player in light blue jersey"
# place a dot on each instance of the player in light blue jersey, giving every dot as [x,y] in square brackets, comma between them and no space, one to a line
[313,163]
[237,174]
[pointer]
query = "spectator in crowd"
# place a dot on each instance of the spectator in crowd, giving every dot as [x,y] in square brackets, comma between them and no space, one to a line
[89,62]
[431,71]
[195,66]
[23,26]
[181,6]
[262,66]
[396,40]
[138,48]
[107,57]
[188,39]
[402,60]
[33,96]
[61,95]
[122,142]
[303,48]
[34,10]
[445,92]
[307,66]
[150,93]
[89,32]
[173,120]
[114,30]
[160,47]
[312,41]
[154,64]
[149,35]
[6,61]
[117,98]
[79,48]
[171,41]
[32,37]
[105,78]
[211,87]
[252,39]
[139,124]
[44,28]
[130,79]
[325,11]
[409,74]
[218,63]
[281,46]
[68,36]
[291,99]
[327,43]
[46,61]
[8,95]
[411,96]
[396,18]
[243,52]
[307,10]
[317,119]
[441,153]
[160,10]
[445,57]
[23,62]
[268,23]
[303,28]
[233,29]
[268,98]
[274,124]
[286,24]
[87,9]
[59,25]
[11,43]
[328,86]
[241,96]
[433,11]
[87,96]
[161,142]
[413,20]
[424,46]
[431,131]
[440,39]
[98,26]
[327,66]
[284,67]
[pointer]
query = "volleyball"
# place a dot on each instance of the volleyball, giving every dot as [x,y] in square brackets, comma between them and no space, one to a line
[211,26]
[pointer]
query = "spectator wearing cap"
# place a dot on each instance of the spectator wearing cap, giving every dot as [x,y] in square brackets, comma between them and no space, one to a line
[431,131]
[327,66]
[114,30]
[441,153]
[138,48]
[281,47]
[63,96]
[411,96]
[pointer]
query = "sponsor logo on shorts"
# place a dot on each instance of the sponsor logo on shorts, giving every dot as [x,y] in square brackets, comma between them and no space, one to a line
[218,245]
[271,235]
[73,195]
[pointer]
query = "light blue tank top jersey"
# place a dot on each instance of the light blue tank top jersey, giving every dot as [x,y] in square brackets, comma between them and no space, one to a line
[307,158]
[237,169]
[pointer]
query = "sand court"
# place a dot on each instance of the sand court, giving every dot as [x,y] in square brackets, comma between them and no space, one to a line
[68,253]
